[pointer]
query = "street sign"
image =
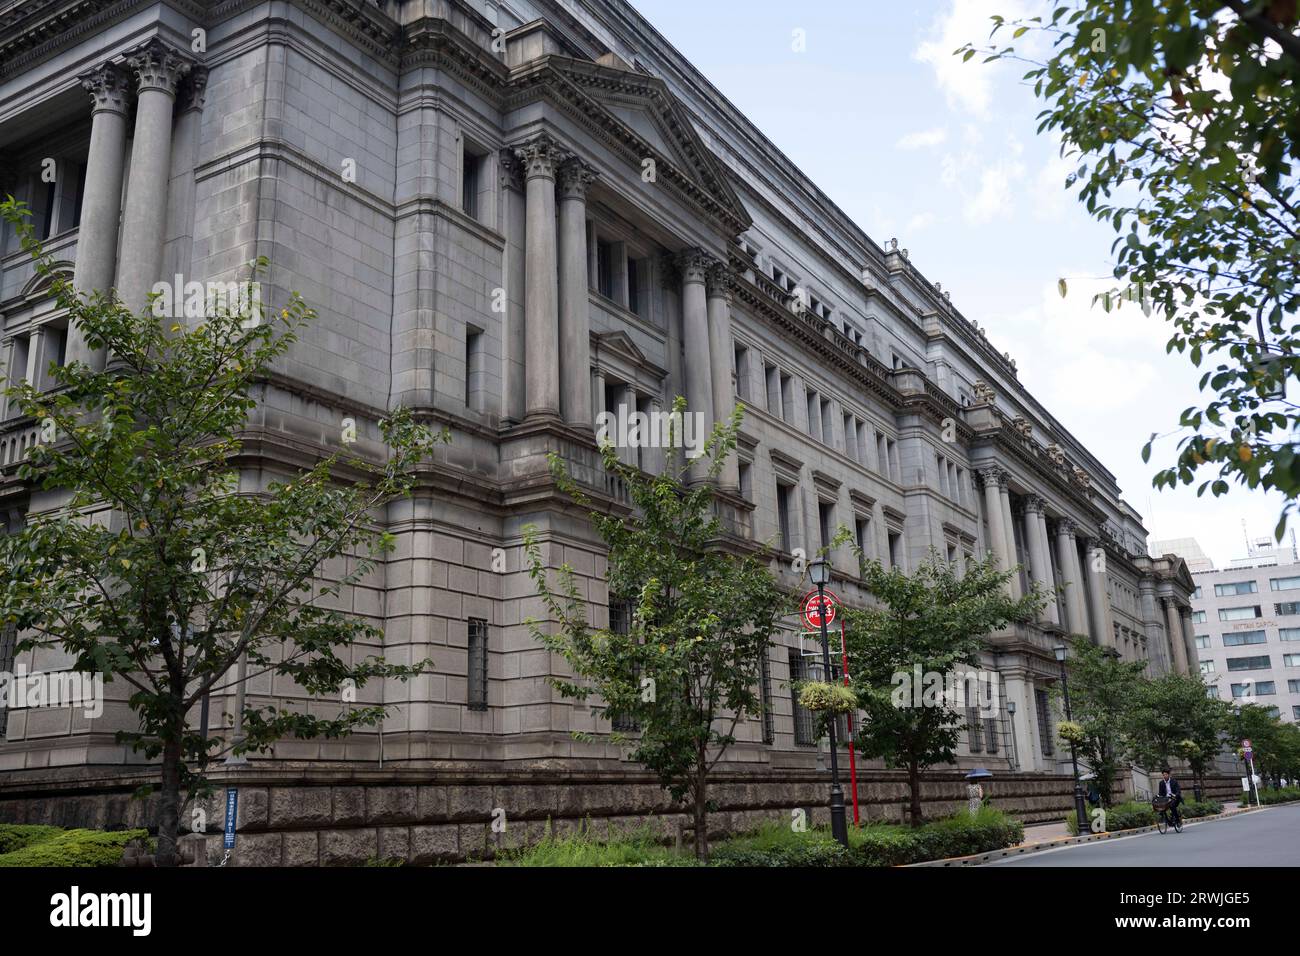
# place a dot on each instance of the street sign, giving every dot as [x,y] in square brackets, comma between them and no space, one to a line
[232,810]
[816,606]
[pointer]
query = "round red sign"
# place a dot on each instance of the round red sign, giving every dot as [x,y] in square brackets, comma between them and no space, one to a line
[815,607]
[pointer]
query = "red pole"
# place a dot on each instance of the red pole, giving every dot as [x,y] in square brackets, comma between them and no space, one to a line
[853,764]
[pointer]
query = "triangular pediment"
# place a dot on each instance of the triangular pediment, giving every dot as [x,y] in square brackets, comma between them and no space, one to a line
[618,343]
[650,119]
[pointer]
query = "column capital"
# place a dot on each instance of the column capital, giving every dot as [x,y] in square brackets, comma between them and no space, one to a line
[511,170]
[1034,504]
[159,66]
[720,280]
[575,177]
[992,476]
[540,156]
[1066,527]
[693,264]
[109,88]
[193,92]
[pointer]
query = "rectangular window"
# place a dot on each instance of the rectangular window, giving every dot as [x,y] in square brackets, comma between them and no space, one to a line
[772,381]
[605,268]
[742,372]
[895,549]
[478,664]
[787,398]
[746,480]
[862,443]
[1198,617]
[1288,634]
[862,533]
[471,179]
[1249,663]
[1235,587]
[765,677]
[828,430]
[974,730]
[814,414]
[1287,607]
[620,622]
[1212,691]
[1266,688]
[826,519]
[1202,642]
[1293,687]
[1284,584]
[1045,731]
[1295,712]
[850,437]
[1291,660]
[784,495]
[635,299]
[1207,666]
[1239,613]
[804,732]
[1243,638]
[1196,595]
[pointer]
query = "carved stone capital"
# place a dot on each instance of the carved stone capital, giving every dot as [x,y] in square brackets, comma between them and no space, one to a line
[193,92]
[575,178]
[693,264]
[159,66]
[992,476]
[109,88]
[512,170]
[721,280]
[1033,504]
[541,156]
[1067,526]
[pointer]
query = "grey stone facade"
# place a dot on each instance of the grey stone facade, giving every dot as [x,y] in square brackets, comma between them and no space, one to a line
[510,217]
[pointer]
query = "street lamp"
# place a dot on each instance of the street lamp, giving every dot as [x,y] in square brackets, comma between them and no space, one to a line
[820,573]
[1079,810]
[1011,721]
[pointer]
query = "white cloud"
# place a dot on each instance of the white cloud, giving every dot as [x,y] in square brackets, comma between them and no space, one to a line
[923,139]
[966,85]
[921,220]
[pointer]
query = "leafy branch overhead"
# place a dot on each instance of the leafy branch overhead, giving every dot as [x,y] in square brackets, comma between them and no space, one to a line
[1184,119]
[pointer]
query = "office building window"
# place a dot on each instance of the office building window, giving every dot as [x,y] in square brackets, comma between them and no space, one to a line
[1198,617]
[1287,607]
[1244,637]
[1239,613]
[1283,584]
[1288,634]
[1207,667]
[1291,660]
[1235,587]
[1259,688]
[1202,641]
[1249,663]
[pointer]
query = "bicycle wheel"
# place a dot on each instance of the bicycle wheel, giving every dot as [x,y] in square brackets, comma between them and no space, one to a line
[1178,824]
[1162,822]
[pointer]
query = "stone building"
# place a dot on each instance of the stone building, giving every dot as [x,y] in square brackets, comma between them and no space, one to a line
[510,217]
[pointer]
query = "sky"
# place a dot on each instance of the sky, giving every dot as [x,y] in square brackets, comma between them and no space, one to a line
[913,143]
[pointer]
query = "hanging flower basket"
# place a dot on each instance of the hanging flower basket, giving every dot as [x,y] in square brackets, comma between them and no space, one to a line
[823,696]
[1070,731]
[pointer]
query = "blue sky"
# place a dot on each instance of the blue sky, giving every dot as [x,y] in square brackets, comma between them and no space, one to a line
[913,143]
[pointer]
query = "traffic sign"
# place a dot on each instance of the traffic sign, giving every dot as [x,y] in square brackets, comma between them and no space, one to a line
[816,606]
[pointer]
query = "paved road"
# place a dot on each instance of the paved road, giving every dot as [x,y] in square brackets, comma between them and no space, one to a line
[1270,837]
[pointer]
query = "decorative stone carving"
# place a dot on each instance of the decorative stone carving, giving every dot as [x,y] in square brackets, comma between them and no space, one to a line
[694,264]
[511,170]
[1056,455]
[540,156]
[1081,477]
[159,66]
[720,280]
[984,394]
[109,88]
[193,91]
[992,476]
[1022,426]
[1033,504]
[1067,526]
[575,178]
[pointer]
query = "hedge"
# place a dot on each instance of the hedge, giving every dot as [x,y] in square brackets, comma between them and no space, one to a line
[873,845]
[1136,814]
[82,848]
[15,836]
[1284,795]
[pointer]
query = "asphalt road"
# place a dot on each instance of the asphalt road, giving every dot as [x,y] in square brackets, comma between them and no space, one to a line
[1270,837]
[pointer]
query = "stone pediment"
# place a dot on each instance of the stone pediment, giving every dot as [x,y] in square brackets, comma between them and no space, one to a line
[648,119]
[620,344]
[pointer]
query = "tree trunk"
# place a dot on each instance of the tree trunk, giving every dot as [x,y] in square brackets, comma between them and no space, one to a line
[170,803]
[701,794]
[914,784]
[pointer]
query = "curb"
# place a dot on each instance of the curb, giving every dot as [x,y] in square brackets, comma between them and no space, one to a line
[1024,848]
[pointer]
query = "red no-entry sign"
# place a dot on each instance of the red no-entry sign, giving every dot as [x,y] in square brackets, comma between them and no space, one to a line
[816,606]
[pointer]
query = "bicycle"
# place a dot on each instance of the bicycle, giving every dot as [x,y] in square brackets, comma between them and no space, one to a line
[1165,811]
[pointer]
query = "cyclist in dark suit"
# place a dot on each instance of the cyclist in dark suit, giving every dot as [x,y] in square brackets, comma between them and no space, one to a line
[1169,787]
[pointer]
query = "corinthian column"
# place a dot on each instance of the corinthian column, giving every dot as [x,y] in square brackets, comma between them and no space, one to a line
[992,479]
[101,204]
[1104,631]
[719,308]
[1040,563]
[575,316]
[1067,560]
[1009,529]
[1173,627]
[158,68]
[694,265]
[541,158]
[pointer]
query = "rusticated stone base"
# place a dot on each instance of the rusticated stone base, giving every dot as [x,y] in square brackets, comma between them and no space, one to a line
[348,817]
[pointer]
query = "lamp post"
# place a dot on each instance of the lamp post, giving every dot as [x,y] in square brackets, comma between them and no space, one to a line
[1015,756]
[1079,810]
[820,572]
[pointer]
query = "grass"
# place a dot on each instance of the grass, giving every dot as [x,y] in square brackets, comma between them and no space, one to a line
[639,848]
[52,846]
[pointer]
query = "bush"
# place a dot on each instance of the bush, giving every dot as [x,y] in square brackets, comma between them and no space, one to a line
[15,836]
[74,848]
[1266,797]
[580,849]
[1200,808]
[873,845]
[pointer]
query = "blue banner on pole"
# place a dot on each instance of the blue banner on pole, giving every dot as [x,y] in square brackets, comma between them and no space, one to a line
[232,809]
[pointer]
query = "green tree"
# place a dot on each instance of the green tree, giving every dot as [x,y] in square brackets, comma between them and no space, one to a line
[1102,690]
[1164,712]
[1184,119]
[159,571]
[930,622]
[1256,723]
[687,670]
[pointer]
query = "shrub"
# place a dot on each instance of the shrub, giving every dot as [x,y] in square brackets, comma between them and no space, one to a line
[15,836]
[581,849]
[81,848]
[1266,797]
[1200,808]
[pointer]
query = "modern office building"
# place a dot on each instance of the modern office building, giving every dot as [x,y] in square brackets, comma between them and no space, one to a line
[510,217]
[1246,620]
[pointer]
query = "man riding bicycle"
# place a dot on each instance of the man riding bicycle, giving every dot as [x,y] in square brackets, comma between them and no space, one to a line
[1170,789]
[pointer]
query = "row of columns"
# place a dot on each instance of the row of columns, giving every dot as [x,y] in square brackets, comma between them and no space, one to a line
[557,318]
[158,70]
